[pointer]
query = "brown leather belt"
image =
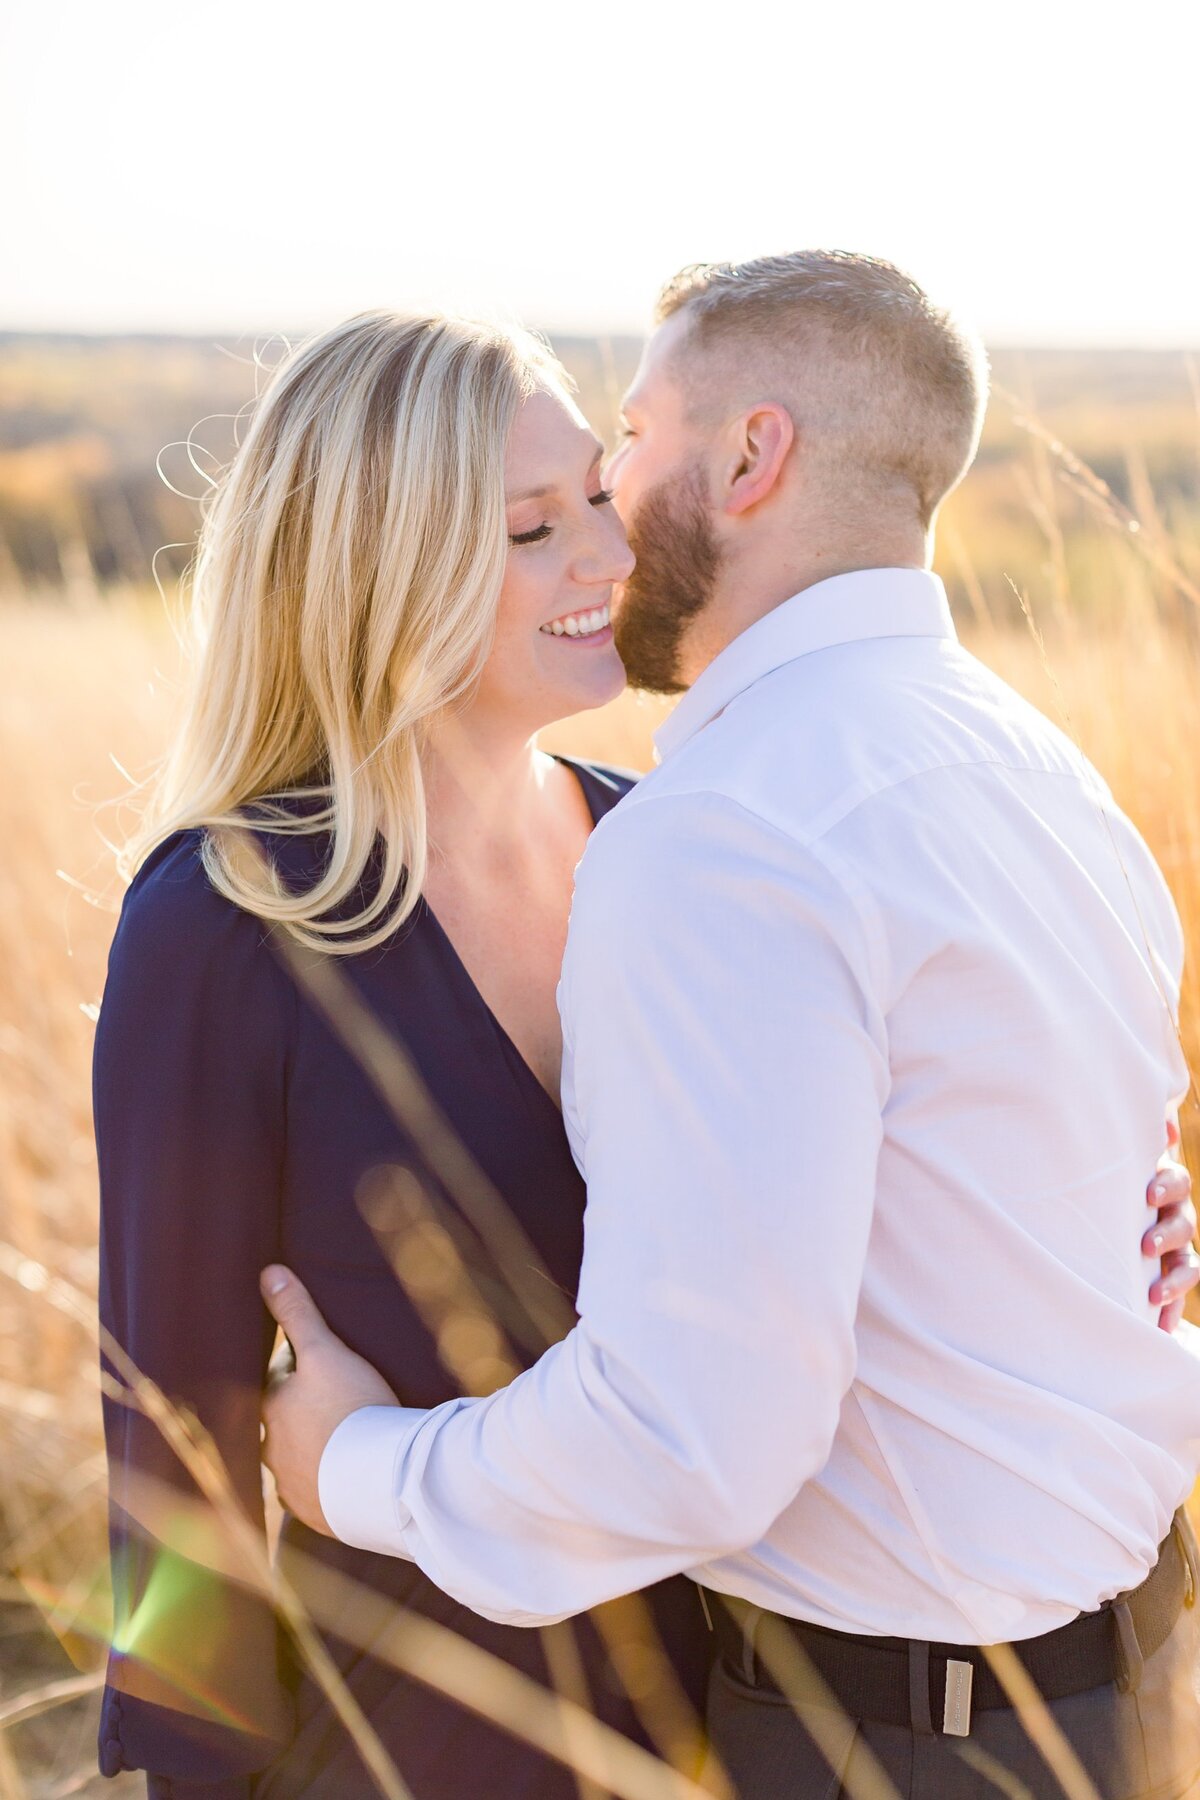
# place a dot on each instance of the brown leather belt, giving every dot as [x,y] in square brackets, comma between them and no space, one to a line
[870,1677]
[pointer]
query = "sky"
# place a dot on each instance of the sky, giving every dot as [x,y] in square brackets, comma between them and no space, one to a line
[228,168]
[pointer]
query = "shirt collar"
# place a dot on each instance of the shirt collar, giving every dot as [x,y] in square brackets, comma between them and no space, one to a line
[842,609]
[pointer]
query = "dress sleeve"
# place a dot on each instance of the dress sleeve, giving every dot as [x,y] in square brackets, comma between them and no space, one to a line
[189,1087]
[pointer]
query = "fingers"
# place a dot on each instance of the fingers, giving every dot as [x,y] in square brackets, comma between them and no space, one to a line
[1180,1274]
[1170,1316]
[1173,1230]
[1171,1236]
[293,1308]
[1170,1186]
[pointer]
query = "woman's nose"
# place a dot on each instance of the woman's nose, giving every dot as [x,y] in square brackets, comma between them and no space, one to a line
[618,559]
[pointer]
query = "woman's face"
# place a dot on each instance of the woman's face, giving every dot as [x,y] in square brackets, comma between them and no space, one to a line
[553,653]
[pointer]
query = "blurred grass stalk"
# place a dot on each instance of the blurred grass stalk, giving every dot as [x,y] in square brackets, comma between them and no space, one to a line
[89,693]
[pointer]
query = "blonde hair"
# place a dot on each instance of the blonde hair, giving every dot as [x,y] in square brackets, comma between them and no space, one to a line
[888,388]
[343,592]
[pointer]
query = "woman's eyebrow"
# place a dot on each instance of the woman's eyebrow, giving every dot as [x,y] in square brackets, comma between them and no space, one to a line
[550,487]
[533,493]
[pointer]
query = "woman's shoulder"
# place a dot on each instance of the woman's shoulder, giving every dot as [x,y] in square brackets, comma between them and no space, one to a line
[606,783]
[175,921]
[171,885]
[193,982]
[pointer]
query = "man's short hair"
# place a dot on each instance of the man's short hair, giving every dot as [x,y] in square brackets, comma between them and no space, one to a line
[885,387]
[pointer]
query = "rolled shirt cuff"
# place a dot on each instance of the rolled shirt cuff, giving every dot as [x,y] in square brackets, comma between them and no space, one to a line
[358,1478]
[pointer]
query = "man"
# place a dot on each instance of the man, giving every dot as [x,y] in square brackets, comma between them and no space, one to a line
[868,984]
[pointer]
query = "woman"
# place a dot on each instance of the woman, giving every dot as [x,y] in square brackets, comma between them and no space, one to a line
[406,573]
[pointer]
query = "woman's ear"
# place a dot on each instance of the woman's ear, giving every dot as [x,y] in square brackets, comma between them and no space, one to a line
[763,438]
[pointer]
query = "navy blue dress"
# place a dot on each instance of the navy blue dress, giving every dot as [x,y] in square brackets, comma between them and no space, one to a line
[234,1130]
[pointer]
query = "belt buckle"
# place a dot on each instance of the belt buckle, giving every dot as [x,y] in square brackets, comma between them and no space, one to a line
[956,1712]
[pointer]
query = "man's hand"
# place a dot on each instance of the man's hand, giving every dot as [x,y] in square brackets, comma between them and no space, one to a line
[304,1406]
[1169,1240]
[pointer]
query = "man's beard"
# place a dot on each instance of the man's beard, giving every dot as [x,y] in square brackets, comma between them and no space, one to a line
[678,559]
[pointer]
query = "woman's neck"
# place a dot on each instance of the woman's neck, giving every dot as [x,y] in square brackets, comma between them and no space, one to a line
[484,789]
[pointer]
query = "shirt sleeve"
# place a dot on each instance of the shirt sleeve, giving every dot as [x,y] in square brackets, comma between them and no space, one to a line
[726,1072]
[189,1076]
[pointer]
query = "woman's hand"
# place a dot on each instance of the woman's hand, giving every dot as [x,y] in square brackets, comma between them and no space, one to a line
[304,1406]
[1170,1238]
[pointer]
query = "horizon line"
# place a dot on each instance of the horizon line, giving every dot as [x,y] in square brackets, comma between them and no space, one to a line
[614,333]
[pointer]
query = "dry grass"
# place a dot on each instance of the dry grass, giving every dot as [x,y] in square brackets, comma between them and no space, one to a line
[88,684]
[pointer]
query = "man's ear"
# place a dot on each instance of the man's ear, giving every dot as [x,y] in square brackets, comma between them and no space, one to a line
[762,440]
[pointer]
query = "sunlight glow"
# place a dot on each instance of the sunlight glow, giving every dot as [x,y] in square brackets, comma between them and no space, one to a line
[278,167]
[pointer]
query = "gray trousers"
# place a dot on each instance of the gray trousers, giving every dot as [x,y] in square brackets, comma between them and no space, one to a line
[1143,1744]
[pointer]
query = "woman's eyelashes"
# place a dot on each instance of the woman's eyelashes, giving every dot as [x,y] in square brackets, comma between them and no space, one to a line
[540,533]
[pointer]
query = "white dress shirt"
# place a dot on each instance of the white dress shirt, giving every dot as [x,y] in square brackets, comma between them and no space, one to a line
[869,1015]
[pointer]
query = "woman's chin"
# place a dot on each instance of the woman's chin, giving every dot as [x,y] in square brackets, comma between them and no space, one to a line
[598,678]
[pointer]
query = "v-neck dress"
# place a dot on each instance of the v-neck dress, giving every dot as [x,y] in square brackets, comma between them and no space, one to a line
[233,1129]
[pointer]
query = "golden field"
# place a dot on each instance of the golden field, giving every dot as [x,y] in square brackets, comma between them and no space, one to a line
[1073,558]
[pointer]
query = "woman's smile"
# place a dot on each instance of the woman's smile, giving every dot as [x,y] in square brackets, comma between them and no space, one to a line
[589,626]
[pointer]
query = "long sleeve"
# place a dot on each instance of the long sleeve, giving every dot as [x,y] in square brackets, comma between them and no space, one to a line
[869,1028]
[726,1073]
[189,1088]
